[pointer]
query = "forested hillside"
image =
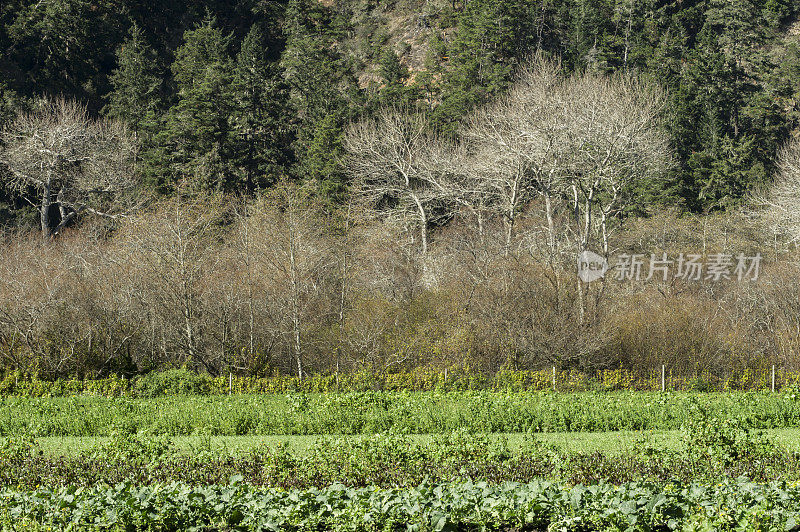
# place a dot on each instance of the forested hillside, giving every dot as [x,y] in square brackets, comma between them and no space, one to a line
[233,95]
[320,186]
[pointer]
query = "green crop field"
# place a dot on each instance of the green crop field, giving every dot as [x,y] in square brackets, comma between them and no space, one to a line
[477,460]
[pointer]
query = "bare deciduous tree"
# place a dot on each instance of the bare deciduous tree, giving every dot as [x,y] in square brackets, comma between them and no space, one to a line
[296,258]
[74,163]
[783,197]
[391,161]
[172,248]
[617,149]
[588,143]
[516,145]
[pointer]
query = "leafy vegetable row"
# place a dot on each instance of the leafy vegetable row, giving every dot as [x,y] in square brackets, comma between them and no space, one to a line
[732,504]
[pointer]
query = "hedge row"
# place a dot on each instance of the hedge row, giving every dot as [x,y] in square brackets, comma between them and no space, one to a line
[184,382]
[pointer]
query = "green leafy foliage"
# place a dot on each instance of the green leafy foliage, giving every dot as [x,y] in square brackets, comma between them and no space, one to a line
[60,47]
[491,36]
[722,440]
[262,120]
[402,413]
[136,83]
[322,87]
[454,379]
[730,505]
[173,382]
[382,459]
[197,129]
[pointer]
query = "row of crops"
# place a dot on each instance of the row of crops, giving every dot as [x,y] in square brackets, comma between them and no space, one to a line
[374,412]
[728,505]
[707,452]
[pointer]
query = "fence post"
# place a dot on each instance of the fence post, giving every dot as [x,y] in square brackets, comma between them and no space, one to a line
[554,378]
[445,375]
[230,383]
[773,378]
[663,378]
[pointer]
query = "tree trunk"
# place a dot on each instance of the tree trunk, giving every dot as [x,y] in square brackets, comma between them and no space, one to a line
[511,215]
[579,241]
[508,221]
[342,294]
[603,282]
[188,329]
[423,223]
[551,242]
[295,282]
[481,231]
[627,37]
[44,210]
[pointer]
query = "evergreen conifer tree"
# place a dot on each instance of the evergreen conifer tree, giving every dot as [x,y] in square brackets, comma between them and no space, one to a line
[198,128]
[263,124]
[136,83]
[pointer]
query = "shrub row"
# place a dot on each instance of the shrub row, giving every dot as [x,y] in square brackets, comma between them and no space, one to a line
[398,412]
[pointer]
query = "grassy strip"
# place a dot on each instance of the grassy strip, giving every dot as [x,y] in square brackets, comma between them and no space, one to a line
[611,443]
[728,505]
[586,442]
[374,412]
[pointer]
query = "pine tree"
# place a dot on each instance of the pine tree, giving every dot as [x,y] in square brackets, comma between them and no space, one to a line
[323,90]
[136,83]
[8,104]
[197,129]
[324,154]
[778,11]
[392,71]
[726,117]
[262,122]
[393,90]
[14,211]
[63,46]
[491,35]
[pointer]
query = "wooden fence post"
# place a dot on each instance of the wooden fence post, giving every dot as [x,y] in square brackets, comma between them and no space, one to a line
[773,378]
